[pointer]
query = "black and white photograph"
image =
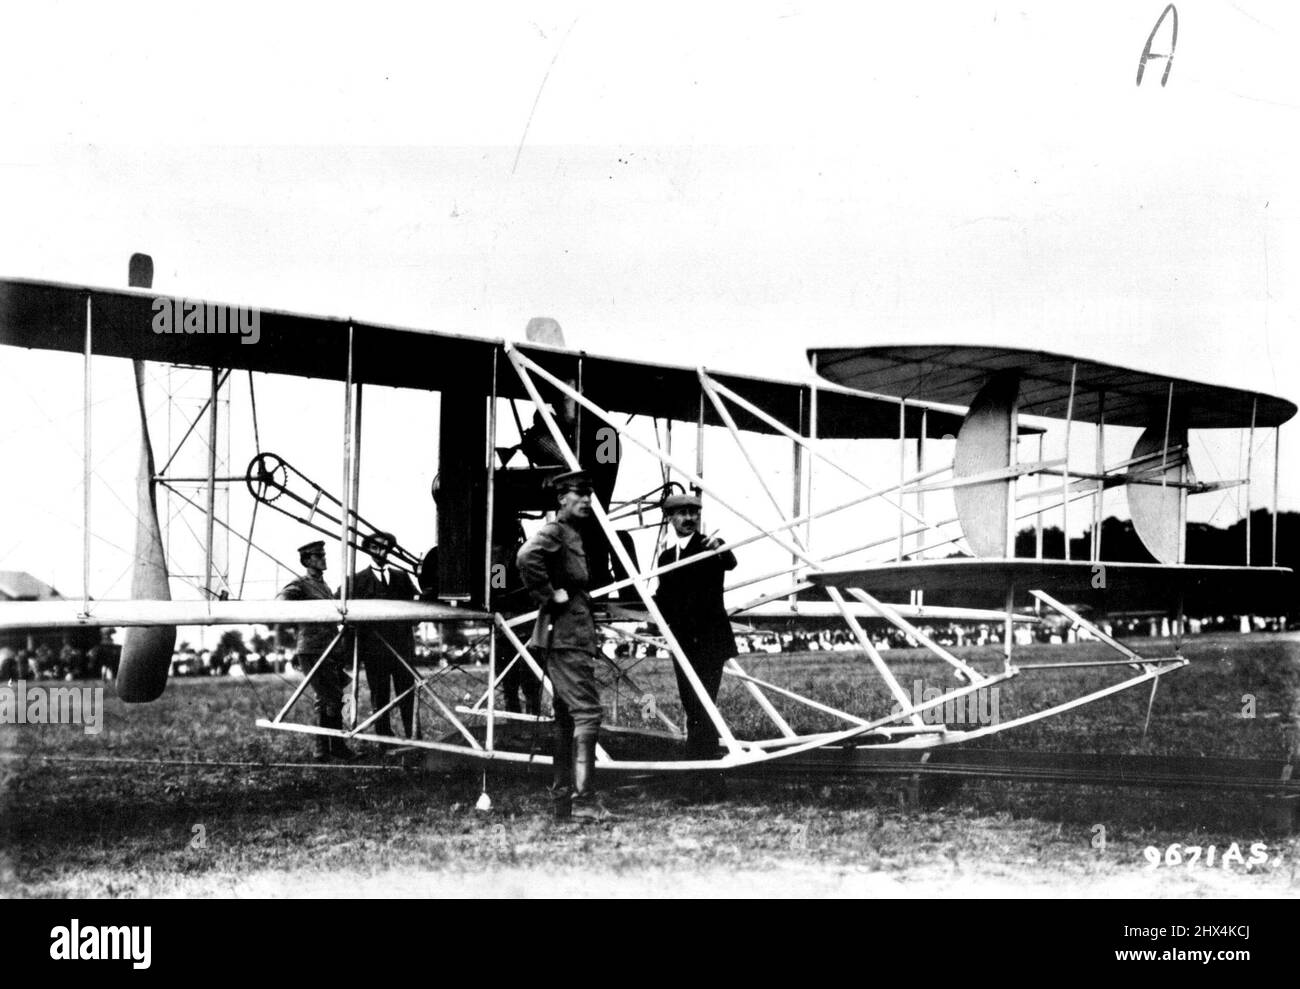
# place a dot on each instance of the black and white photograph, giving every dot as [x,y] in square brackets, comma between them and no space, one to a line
[766,450]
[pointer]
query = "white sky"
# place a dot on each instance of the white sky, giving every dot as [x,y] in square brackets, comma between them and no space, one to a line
[700,183]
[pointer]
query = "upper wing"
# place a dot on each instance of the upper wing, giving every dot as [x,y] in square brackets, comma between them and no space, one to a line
[143,325]
[953,374]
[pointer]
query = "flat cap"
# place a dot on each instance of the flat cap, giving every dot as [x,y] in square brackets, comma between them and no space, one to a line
[374,539]
[574,480]
[317,547]
[674,502]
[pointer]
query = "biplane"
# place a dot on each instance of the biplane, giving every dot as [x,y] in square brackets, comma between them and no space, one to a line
[991,408]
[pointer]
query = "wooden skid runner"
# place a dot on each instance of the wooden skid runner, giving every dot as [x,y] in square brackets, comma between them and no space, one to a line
[1173,772]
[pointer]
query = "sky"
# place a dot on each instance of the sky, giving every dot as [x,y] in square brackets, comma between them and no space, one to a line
[722,184]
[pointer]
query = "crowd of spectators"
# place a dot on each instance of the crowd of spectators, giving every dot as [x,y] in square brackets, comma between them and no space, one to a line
[187,662]
[67,662]
[985,633]
[219,662]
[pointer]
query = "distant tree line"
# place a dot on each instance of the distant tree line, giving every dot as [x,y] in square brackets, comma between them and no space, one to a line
[1206,544]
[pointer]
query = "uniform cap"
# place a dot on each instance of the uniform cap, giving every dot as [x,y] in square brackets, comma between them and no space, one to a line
[574,480]
[309,548]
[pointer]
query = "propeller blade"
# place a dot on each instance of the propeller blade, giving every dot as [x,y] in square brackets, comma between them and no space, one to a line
[146,650]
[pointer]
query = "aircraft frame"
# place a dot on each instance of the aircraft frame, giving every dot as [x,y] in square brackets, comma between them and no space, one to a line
[1159,464]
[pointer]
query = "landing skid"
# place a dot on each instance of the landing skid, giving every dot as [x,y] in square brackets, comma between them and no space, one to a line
[481,733]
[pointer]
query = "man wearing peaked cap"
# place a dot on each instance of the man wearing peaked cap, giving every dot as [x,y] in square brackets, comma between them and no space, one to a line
[574,480]
[314,638]
[553,566]
[690,599]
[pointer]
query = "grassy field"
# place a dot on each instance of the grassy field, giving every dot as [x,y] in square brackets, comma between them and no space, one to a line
[113,815]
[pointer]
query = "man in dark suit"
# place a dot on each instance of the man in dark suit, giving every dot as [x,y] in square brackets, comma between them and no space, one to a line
[691,601]
[384,673]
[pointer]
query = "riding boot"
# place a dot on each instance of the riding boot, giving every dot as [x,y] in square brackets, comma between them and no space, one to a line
[586,806]
[561,772]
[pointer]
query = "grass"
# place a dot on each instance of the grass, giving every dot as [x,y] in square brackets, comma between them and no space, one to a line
[89,828]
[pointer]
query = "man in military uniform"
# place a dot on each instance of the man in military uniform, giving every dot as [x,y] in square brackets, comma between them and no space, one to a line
[384,672]
[313,639]
[553,567]
[690,599]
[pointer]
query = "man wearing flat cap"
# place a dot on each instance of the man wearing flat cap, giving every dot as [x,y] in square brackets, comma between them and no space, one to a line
[313,639]
[553,566]
[690,599]
[385,673]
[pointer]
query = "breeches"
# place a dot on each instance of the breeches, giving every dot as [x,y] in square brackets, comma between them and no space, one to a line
[327,684]
[577,698]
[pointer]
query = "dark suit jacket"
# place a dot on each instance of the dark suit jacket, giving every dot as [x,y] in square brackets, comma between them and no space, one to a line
[691,602]
[400,587]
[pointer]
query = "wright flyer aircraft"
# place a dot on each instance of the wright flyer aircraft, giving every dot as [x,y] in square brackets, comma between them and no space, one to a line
[959,425]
